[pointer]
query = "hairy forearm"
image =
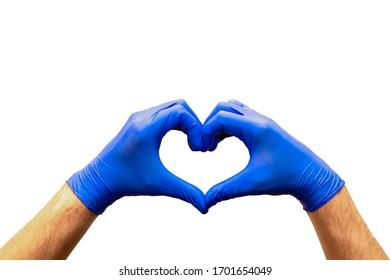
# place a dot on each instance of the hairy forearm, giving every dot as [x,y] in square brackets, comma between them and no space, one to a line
[342,231]
[53,232]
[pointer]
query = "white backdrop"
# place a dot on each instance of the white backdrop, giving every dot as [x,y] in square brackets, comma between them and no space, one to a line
[71,73]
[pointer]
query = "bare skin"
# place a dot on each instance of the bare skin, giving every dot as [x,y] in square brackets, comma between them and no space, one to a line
[54,232]
[342,231]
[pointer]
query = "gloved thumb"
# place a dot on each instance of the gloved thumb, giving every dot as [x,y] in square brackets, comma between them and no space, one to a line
[236,186]
[175,187]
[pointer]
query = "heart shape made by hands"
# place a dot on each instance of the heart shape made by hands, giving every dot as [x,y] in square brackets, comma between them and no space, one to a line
[203,170]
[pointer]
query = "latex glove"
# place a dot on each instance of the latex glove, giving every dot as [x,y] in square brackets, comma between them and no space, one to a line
[278,164]
[130,163]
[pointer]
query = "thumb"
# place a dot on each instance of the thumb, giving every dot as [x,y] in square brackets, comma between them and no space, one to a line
[237,186]
[175,187]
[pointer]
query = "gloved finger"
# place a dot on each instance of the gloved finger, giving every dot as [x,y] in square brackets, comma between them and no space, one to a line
[183,103]
[193,136]
[225,123]
[211,143]
[178,117]
[216,141]
[170,104]
[246,110]
[175,187]
[238,103]
[224,106]
[237,186]
[156,109]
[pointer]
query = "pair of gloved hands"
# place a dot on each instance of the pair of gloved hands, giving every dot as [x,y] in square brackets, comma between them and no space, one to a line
[130,164]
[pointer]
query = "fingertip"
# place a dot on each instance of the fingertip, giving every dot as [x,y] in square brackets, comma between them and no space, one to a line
[210,203]
[194,136]
[194,139]
[203,210]
[207,140]
[214,145]
[210,146]
[199,203]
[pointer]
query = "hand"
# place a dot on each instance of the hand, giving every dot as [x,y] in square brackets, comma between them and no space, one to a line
[130,163]
[278,164]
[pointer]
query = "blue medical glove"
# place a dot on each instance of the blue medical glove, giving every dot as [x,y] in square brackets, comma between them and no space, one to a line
[130,164]
[278,164]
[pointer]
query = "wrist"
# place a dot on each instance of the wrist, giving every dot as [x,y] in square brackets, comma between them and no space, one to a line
[319,185]
[89,186]
[342,231]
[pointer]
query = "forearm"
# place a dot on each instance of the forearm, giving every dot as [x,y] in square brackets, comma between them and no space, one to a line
[342,231]
[53,232]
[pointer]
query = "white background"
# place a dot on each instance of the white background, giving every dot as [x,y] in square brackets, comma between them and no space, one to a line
[72,72]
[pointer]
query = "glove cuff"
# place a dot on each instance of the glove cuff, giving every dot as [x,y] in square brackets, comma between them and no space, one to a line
[91,189]
[321,185]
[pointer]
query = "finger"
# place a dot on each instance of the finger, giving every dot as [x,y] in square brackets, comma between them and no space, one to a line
[175,187]
[162,106]
[232,106]
[238,103]
[246,110]
[236,186]
[225,123]
[216,140]
[170,104]
[156,110]
[224,106]
[210,142]
[183,103]
[194,137]
[179,118]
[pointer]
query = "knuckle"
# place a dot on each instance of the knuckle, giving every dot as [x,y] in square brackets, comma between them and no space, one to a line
[221,104]
[180,110]
[181,102]
[220,116]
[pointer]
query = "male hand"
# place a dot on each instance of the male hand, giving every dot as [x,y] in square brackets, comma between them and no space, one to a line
[130,163]
[278,164]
